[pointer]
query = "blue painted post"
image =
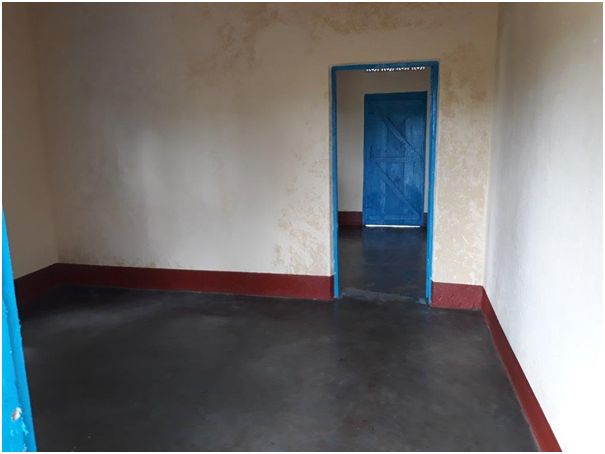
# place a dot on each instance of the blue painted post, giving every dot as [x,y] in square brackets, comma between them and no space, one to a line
[17,423]
[335,187]
[432,166]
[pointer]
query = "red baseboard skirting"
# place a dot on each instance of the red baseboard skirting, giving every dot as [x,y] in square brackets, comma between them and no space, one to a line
[258,284]
[350,219]
[538,423]
[474,297]
[35,284]
[456,296]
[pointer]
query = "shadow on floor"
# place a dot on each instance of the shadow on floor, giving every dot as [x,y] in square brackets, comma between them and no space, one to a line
[382,263]
[137,370]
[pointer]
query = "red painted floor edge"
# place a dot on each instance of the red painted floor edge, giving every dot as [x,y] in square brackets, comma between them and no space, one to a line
[35,284]
[253,284]
[538,423]
[456,296]
[350,219]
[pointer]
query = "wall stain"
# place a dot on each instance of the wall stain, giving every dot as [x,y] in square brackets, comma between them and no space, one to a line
[194,91]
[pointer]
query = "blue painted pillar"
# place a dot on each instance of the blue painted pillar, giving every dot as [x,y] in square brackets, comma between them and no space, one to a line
[17,423]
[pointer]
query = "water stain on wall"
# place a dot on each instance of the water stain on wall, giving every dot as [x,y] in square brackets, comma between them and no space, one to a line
[179,121]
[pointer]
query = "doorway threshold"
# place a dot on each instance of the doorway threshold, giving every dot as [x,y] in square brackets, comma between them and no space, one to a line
[380,297]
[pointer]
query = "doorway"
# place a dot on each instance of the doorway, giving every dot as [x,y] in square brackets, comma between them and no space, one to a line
[383,209]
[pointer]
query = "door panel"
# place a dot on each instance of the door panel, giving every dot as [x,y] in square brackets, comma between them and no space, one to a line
[394,158]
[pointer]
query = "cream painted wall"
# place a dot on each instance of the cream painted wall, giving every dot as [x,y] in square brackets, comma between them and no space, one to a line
[544,257]
[25,184]
[351,88]
[197,136]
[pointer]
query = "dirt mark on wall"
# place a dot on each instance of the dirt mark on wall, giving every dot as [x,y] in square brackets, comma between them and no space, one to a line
[236,44]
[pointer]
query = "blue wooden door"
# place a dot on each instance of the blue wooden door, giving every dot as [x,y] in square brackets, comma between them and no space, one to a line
[17,424]
[394,158]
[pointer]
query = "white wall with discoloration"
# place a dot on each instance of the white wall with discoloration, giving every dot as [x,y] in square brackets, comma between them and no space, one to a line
[197,136]
[25,184]
[544,272]
[351,88]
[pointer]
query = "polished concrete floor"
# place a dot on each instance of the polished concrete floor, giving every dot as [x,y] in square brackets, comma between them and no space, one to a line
[384,263]
[138,370]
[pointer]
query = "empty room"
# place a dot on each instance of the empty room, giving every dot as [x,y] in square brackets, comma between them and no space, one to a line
[302,226]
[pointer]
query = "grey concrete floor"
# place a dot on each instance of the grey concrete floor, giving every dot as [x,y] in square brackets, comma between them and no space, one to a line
[113,369]
[382,263]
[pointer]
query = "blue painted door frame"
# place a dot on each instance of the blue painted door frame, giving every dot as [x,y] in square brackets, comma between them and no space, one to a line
[17,423]
[434,68]
[394,158]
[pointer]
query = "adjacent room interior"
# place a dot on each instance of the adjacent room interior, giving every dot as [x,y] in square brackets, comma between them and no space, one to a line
[302,227]
[382,150]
